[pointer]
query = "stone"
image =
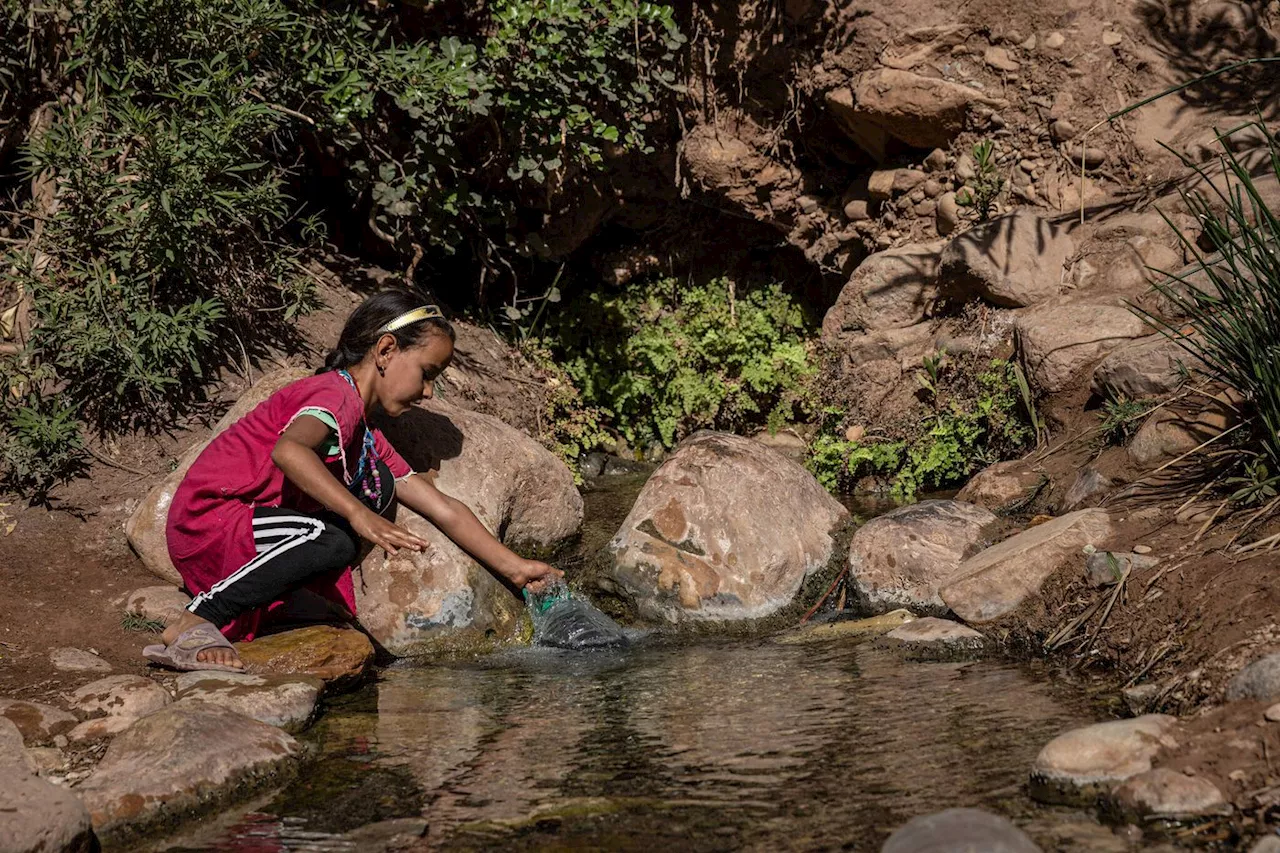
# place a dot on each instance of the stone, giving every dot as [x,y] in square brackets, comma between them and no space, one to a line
[932,189]
[1092,157]
[1168,794]
[1000,59]
[1266,844]
[1061,341]
[284,701]
[11,748]
[1111,38]
[1054,40]
[1030,43]
[1076,767]
[857,210]
[41,818]
[1139,698]
[337,656]
[995,582]
[935,639]
[179,760]
[38,723]
[77,660]
[923,112]
[899,559]
[120,696]
[163,604]
[1011,261]
[1145,367]
[1108,568]
[959,831]
[893,289]
[947,216]
[1142,549]
[724,529]
[1272,714]
[847,628]
[44,760]
[884,184]
[1259,680]
[936,160]
[1089,483]
[99,728]
[1167,433]
[1001,484]
[784,441]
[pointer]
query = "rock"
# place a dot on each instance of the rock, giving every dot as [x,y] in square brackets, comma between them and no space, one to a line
[40,817]
[996,581]
[120,696]
[44,760]
[77,660]
[947,214]
[38,723]
[1012,261]
[1062,130]
[337,656]
[1060,341]
[99,728]
[784,441]
[855,433]
[1054,40]
[900,558]
[1111,38]
[1030,43]
[936,160]
[847,628]
[1164,793]
[592,464]
[1259,680]
[884,184]
[159,603]
[1089,483]
[1272,714]
[1000,59]
[1000,484]
[1139,699]
[180,759]
[1074,768]
[724,529]
[923,112]
[11,749]
[959,831]
[1142,549]
[889,290]
[1167,434]
[1266,844]
[857,210]
[1093,158]
[1107,568]
[1146,367]
[932,638]
[286,702]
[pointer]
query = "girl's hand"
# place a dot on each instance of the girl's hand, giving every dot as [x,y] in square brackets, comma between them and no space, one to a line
[387,536]
[534,575]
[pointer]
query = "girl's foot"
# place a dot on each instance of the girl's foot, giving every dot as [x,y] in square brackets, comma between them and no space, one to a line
[221,655]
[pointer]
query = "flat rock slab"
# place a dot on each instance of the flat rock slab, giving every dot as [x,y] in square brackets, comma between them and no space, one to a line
[285,701]
[850,628]
[1076,767]
[935,639]
[1259,680]
[120,696]
[959,831]
[996,581]
[37,817]
[38,723]
[337,656]
[77,660]
[160,603]
[180,760]
[1165,793]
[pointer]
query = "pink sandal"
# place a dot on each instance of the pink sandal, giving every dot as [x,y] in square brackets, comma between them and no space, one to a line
[182,653]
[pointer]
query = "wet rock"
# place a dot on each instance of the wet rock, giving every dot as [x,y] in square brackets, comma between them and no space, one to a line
[948,214]
[847,628]
[888,290]
[120,696]
[181,759]
[38,723]
[1147,367]
[1074,768]
[1108,568]
[724,529]
[959,831]
[159,603]
[1012,261]
[1165,793]
[402,833]
[337,656]
[932,638]
[286,702]
[1259,680]
[77,660]
[997,486]
[923,112]
[41,818]
[996,581]
[900,558]
[1089,484]
[1061,341]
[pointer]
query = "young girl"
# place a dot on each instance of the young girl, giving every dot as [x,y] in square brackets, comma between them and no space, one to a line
[281,498]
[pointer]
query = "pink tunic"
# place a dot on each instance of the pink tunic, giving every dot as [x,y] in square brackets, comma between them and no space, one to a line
[210,527]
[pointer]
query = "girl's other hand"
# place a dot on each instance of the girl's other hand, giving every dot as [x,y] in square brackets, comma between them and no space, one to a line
[387,536]
[535,575]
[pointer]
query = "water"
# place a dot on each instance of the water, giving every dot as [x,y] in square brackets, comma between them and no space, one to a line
[563,620]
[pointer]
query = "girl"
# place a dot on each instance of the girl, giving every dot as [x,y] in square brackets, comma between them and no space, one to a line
[280,499]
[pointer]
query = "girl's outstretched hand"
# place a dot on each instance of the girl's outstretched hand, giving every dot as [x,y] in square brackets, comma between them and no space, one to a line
[535,575]
[387,536]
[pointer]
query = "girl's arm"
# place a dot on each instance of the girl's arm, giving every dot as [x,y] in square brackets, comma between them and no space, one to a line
[460,524]
[296,455]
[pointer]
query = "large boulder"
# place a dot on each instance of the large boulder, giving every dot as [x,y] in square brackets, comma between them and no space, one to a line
[35,816]
[923,112]
[724,529]
[1013,261]
[1146,367]
[1075,767]
[888,290]
[899,559]
[179,760]
[1060,341]
[285,701]
[336,656]
[995,582]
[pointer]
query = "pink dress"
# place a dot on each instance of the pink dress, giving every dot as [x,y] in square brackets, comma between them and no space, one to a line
[210,526]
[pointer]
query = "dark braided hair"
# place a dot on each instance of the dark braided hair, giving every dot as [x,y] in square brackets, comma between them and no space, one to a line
[361,331]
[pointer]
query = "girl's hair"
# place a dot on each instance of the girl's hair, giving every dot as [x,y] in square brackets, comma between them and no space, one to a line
[363,328]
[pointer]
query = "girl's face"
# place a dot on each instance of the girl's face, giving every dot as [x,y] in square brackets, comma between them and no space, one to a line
[409,375]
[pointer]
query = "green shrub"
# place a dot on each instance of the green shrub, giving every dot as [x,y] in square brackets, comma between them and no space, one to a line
[567,427]
[662,360]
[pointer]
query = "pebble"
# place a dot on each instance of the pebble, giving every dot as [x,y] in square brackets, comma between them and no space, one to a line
[1055,40]
[936,161]
[948,214]
[1272,714]
[1142,549]
[855,433]
[932,189]
[1092,156]
[999,59]
[1029,44]
[77,660]
[1111,38]
[857,210]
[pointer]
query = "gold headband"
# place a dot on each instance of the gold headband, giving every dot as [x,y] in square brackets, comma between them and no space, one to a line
[426,312]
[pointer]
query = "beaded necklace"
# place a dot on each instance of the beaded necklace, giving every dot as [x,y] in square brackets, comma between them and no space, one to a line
[367,469]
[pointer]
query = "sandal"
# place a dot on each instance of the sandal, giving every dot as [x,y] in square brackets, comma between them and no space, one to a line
[182,653]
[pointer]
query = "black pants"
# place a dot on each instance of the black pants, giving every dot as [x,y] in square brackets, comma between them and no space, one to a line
[294,549]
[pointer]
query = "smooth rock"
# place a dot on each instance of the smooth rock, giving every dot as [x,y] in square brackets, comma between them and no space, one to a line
[1062,130]
[77,660]
[923,112]
[1074,768]
[37,817]
[286,702]
[899,559]
[889,290]
[1061,341]
[1092,157]
[1012,261]
[159,603]
[847,628]
[1111,38]
[959,831]
[784,441]
[1054,40]
[120,696]
[1266,844]
[99,728]
[1259,680]
[39,723]
[947,216]
[936,160]
[1142,549]
[857,210]
[1165,793]
[1000,59]
[932,638]
[1272,714]
[996,581]
[1146,367]
[724,529]
[11,749]
[179,760]
[337,656]
[1166,433]
[999,485]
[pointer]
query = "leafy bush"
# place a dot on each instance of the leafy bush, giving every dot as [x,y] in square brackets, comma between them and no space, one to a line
[567,427]
[662,360]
